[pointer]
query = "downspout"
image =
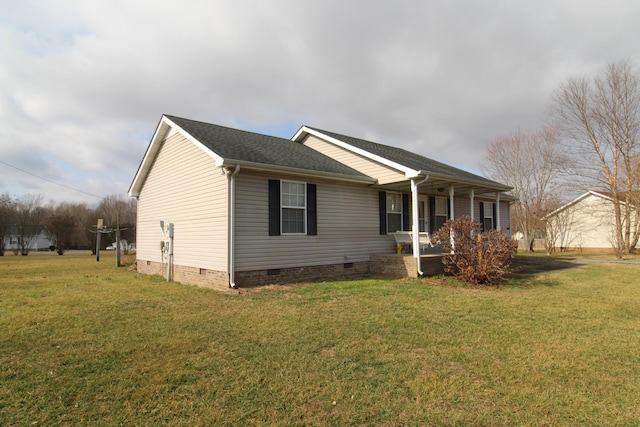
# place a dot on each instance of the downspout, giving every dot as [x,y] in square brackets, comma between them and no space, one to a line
[231,242]
[416,221]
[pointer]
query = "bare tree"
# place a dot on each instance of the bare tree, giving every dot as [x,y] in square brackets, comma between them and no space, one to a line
[600,119]
[559,228]
[532,163]
[86,217]
[61,226]
[29,217]
[7,217]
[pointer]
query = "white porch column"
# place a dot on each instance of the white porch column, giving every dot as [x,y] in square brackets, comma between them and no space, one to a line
[471,197]
[415,221]
[452,216]
[451,192]
[498,210]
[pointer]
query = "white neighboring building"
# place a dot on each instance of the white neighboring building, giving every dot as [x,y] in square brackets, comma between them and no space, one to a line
[39,243]
[584,224]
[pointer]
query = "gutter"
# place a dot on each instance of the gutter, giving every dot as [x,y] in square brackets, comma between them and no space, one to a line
[231,233]
[361,179]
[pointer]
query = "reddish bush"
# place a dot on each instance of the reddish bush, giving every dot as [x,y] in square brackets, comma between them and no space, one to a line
[476,257]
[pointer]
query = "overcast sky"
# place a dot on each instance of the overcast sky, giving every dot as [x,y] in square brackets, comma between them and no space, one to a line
[84,83]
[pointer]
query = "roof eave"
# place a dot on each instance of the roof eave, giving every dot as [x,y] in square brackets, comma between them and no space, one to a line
[145,164]
[409,172]
[297,171]
[494,186]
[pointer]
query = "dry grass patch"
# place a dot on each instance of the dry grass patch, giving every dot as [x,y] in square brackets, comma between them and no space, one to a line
[84,343]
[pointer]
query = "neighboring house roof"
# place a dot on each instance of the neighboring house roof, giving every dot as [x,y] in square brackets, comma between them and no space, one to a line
[624,196]
[600,194]
[403,159]
[29,229]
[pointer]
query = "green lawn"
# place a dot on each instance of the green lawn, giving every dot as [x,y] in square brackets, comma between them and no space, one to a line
[86,343]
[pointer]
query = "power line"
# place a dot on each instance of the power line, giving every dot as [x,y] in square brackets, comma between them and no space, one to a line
[48,180]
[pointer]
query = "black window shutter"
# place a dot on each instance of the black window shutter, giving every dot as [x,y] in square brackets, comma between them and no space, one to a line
[482,215]
[382,197]
[495,217]
[432,214]
[406,226]
[312,210]
[449,208]
[274,207]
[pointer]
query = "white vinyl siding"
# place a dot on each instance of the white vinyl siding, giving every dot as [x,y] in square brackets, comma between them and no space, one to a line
[505,221]
[384,174]
[348,227]
[462,206]
[587,224]
[184,187]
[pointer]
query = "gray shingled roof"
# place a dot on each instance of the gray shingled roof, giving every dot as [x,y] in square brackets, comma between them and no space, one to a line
[410,160]
[241,146]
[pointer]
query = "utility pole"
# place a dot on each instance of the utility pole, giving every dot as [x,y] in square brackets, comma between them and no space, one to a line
[99,228]
[117,240]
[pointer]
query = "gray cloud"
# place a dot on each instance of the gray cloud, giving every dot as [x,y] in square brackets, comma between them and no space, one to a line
[83,84]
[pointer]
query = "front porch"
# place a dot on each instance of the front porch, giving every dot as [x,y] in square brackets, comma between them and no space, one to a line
[405,265]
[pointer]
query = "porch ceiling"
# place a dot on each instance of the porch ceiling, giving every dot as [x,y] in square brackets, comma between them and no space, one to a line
[440,187]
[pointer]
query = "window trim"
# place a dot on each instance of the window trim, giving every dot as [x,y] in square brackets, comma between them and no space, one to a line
[303,208]
[390,212]
[437,215]
[488,214]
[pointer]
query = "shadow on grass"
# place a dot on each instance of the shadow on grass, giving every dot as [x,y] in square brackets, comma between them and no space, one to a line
[524,270]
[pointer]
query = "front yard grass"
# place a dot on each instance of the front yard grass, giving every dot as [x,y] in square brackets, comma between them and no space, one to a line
[86,343]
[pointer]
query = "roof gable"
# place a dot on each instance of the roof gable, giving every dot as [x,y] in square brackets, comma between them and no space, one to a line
[410,163]
[590,193]
[229,147]
[238,146]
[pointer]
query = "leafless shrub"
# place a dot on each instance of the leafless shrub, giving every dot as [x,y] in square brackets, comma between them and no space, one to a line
[475,257]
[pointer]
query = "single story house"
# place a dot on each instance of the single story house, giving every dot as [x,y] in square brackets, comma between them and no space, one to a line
[36,238]
[222,207]
[586,224]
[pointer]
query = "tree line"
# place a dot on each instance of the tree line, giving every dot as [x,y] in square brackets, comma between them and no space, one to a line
[66,225]
[590,141]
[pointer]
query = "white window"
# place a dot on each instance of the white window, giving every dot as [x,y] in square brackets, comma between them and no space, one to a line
[294,207]
[421,218]
[394,212]
[488,216]
[440,213]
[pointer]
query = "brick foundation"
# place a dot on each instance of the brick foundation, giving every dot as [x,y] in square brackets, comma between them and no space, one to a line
[587,250]
[316,273]
[189,275]
[220,280]
[380,265]
[405,265]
